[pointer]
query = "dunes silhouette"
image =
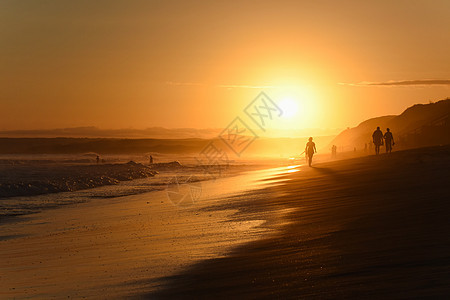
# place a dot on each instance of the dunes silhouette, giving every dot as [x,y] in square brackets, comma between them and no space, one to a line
[419,125]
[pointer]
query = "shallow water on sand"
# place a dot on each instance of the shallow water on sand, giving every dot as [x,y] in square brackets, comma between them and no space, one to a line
[117,246]
[23,205]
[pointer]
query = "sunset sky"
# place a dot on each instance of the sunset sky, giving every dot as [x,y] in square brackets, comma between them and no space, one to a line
[139,64]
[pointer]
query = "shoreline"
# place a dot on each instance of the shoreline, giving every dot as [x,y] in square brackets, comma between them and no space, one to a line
[374,226]
[40,179]
[120,246]
[294,232]
[72,184]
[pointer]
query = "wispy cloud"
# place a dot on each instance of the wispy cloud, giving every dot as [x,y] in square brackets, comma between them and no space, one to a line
[245,86]
[226,86]
[183,83]
[419,82]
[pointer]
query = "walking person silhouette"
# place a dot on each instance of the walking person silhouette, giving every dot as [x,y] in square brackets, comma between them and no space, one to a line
[310,150]
[377,137]
[388,140]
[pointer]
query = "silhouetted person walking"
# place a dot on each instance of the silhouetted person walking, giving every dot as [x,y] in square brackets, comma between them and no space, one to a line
[310,150]
[388,140]
[377,137]
[333,151]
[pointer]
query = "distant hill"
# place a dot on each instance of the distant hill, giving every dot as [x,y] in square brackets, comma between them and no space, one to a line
[94,132]
[101,145]
[419,125]
[279,147]
[154,133]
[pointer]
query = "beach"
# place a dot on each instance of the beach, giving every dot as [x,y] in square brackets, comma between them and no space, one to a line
[372,227]
[110,241]
[224,149]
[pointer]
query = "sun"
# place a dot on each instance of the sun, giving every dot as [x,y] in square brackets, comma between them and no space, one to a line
[289,107]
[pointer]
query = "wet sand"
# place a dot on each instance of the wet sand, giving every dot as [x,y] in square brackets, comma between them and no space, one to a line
[370,227]
[119,247]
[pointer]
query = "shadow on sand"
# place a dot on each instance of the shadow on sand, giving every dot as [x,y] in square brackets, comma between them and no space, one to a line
[380,231]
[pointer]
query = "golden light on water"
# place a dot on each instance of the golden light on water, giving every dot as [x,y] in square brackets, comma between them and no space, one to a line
[292,169]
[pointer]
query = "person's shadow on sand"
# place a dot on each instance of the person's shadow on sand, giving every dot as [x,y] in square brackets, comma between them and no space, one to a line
[326,171]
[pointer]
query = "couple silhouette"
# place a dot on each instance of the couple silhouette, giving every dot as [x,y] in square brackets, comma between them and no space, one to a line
[378,138]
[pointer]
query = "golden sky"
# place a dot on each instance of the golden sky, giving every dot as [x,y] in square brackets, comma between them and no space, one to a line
[139,64]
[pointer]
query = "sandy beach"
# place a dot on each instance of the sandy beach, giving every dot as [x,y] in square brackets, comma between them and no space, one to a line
[370,227]
[224,149]
[112,247]
[374,226]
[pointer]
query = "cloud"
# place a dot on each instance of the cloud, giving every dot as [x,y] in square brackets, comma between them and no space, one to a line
[245,86]
[183,83]
[226,86]
[419,82]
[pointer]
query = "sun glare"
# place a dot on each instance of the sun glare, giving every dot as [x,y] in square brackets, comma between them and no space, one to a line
[289,107]
[299,105]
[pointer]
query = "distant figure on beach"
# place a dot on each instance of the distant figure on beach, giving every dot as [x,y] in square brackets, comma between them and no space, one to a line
[377,137]
[310,150]
[365,148]
[388,140]
[151,160]
[333,151]
[98,159]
